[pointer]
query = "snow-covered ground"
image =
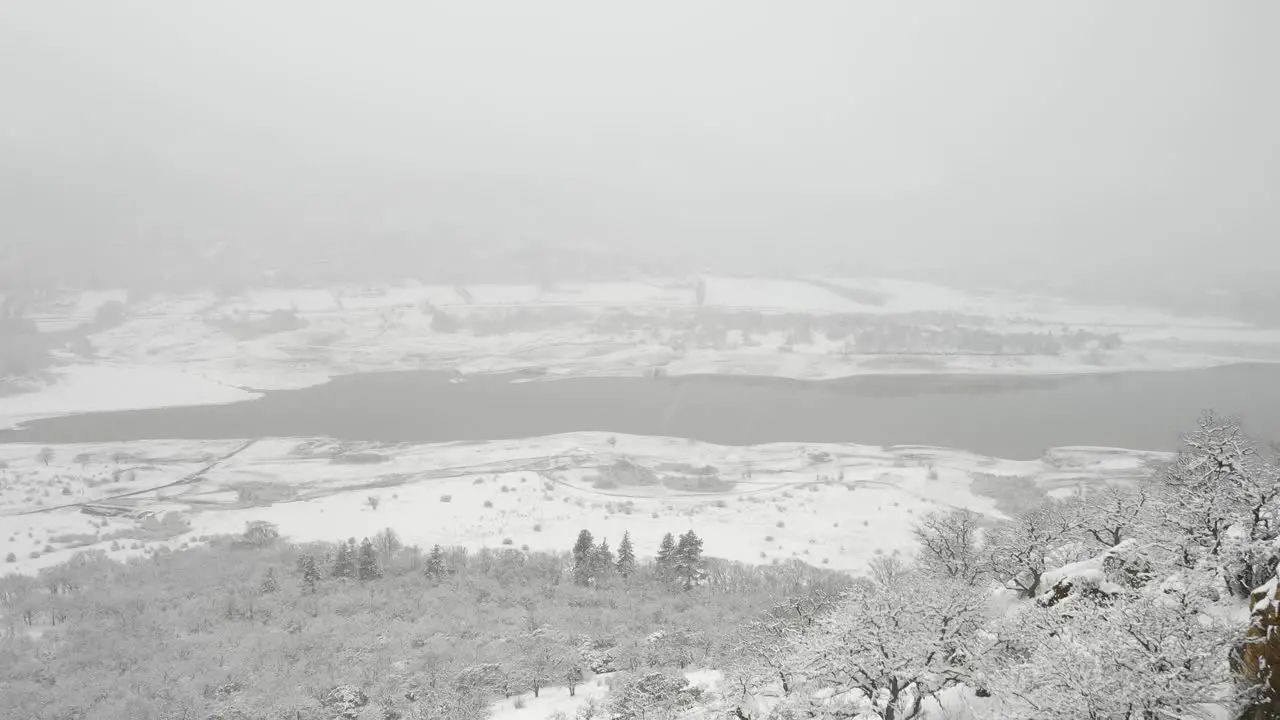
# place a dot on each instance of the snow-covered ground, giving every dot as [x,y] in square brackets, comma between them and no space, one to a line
[554,700]
[108,386]
[834,506]
[180,350]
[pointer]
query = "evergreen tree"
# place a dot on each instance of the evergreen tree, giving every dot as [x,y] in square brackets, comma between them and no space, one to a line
[666,556]
[367,563]
[435,563]
[583,547]
[344,562]
[688,560]
[603,564]
[583,557]
[269,582]
[626,557]
[309,570]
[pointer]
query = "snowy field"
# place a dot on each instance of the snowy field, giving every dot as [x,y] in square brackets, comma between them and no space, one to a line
[106,386]
[558,700]
[201,350]
[834,506]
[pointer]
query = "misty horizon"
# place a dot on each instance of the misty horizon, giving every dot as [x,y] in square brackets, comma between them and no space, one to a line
[1089,143]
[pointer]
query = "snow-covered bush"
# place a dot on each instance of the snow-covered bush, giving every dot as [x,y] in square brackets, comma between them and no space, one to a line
[651,695]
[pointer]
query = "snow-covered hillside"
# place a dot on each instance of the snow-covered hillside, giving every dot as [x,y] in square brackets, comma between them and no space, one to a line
[201,349]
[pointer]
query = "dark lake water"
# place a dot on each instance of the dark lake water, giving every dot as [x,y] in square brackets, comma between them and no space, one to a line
[1011,417]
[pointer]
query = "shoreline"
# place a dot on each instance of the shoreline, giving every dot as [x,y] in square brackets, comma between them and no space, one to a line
[199,349]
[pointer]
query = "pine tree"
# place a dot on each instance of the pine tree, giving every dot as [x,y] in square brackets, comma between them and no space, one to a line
[367,563]
[603,564]
[688,560]
[626,557]
[666,556]
[309,570]
[435,563]
[344,562]
[583,547]
[269,582]
[583,556]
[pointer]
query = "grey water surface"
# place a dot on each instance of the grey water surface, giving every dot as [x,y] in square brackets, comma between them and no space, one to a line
[1005,416]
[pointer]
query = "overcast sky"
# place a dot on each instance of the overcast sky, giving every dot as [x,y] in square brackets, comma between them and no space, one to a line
[1006,137]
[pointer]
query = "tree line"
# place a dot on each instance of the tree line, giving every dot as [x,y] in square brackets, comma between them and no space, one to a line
[677,562]
[256,625]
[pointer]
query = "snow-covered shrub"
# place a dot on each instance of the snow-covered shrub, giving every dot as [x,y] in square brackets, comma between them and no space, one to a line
[651,694]
[344,700]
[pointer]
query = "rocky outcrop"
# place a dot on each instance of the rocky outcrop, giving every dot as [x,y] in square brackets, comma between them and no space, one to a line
[1256,660]
[1115,571]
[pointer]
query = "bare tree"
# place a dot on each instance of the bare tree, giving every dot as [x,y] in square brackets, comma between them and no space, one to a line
[387,543]
[949,544]
[1114,512]
[887,570]
[1204,478]
[544,655]
[1222,503]
[1019,552]
[887,649]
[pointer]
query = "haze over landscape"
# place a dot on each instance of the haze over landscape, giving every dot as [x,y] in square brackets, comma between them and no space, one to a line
[1070,143]
[536,361]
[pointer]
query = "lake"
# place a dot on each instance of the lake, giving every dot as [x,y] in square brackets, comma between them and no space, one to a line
[1007,416]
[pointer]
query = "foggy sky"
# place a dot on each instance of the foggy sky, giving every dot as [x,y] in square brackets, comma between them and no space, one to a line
[1038,139]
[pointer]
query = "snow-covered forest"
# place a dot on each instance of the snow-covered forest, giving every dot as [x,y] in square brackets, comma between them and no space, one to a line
[1153,598]
[1149,600]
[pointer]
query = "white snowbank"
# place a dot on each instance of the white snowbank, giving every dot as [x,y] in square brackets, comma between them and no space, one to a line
[93,388]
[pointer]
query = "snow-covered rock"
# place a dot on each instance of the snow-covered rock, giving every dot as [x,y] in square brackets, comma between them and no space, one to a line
[1113,572]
